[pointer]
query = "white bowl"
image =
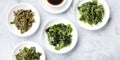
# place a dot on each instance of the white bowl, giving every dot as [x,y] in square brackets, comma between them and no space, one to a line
[56,6]
[11,16]
[74,36]
[99,25]
[28,44]
[53,9]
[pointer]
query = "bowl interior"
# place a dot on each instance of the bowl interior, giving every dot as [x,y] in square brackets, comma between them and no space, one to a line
[99,25]
[11,16]
[29,44]
[74,35]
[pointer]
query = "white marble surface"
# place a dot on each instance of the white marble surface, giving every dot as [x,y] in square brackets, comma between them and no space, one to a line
[103,44]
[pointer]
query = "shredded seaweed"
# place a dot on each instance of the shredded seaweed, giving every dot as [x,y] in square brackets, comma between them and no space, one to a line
[23,20]
[59,35]
[91,12]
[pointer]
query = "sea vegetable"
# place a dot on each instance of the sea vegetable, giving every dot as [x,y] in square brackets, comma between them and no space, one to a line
[28,54]
[91,12]
[59,35]
[23,20]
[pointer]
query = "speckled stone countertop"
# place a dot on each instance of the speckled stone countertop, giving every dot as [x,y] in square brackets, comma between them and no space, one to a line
[103,44]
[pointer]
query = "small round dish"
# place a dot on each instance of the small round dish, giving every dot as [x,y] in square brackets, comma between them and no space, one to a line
[12,28]
[55,6]
[28,44]
[59,9]
[99,25]
[74,36]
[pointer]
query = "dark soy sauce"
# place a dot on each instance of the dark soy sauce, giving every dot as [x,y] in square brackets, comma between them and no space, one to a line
[55,2]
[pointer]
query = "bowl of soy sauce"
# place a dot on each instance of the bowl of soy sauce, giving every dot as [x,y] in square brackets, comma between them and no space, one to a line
[55,3]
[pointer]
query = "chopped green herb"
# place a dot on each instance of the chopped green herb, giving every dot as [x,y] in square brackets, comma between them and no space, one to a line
[23,20]
[59,35]
[91,12]
[28,54]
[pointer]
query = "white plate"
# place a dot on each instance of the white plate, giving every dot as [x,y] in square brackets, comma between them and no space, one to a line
[99,25]
[54,9]
[11,16]
[28,44]
[74,36]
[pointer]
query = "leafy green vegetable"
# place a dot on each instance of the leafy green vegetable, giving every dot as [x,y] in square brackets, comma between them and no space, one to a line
[28,54]
[23,20]
[91,12]
[59,35]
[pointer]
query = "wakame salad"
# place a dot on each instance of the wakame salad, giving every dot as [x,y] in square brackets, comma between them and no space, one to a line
[91,12]
[28,54]
[59,35]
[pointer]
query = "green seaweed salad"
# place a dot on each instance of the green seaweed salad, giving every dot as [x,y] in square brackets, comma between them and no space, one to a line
[91,12]
[28,54]
[59,35]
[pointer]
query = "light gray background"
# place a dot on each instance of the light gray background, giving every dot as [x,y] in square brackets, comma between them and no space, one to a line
[103,44]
